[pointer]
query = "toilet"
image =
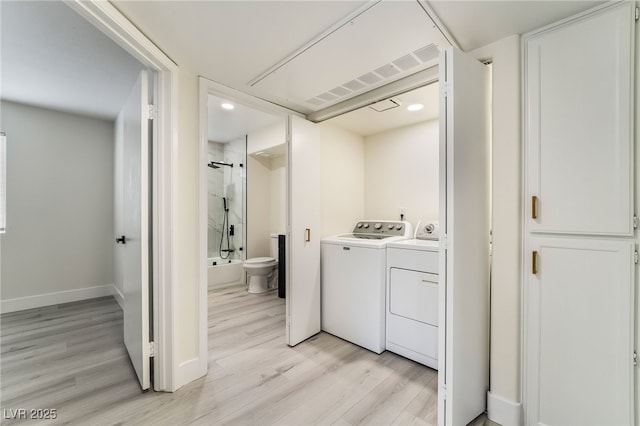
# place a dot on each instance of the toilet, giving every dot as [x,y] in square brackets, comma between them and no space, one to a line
[262,272]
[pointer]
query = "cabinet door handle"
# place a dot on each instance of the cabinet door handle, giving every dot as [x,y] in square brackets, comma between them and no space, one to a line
[307,235]
[534,262]
[534,207]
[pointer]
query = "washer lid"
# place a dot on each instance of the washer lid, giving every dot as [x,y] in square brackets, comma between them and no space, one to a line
[256,260]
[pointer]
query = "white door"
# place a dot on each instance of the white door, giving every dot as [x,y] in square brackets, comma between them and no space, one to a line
[135,209]
[463,356]
[579,308]
[580,329]
[579,125]
[303,241]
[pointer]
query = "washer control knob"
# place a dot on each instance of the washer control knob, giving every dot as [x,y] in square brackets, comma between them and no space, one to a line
[399,227]
[366,225]
[390,226]
[377,225]
[360,225]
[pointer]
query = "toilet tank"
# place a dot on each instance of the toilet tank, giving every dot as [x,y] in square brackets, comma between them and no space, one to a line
[273,247]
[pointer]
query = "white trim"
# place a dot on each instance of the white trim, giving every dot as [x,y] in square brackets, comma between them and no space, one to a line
[439,24]
[111,22]
[503,411]
[56,298]
[117,294]
[207,87]
[190,370]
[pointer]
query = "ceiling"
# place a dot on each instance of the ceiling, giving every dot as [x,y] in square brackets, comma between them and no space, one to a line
[236,43]
[227,125]
[287,52]
[367,121]
[53,58]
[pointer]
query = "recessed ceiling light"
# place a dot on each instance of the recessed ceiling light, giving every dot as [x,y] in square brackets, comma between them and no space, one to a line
[227,105]
[415,107]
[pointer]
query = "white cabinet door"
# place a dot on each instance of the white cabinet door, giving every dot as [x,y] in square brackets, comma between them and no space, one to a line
[463,373]
[580,332]
[579,124]
[303,241]
[136,229]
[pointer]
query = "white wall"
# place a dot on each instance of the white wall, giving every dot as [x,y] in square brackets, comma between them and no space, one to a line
[258,206]
[342,179]
[278,193]
[266,188]
[269,137]
[60,234]
[401,170]
[504,398]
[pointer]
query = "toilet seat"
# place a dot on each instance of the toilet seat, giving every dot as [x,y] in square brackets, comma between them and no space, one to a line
[259,261]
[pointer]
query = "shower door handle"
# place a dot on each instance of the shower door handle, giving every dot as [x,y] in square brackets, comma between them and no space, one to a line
[121,240]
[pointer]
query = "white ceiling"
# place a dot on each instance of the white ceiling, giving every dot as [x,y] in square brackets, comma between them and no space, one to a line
[227,125]
[231,42]
[477,23]
[53,58]
[366,121]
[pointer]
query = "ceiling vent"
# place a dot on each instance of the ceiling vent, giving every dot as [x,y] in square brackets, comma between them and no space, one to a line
[385,105]
[411,62]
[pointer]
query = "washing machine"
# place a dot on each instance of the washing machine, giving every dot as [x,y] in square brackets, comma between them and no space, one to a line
[353,281]
[412,299]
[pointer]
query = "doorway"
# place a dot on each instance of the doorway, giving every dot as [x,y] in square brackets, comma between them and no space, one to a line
[114,24]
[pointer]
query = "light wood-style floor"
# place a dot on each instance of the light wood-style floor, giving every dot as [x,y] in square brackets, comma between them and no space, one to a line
[71,357]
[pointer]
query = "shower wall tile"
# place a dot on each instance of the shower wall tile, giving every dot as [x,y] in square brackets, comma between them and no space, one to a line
[226,182]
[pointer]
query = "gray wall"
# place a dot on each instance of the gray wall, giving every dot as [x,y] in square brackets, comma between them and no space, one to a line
[59,203]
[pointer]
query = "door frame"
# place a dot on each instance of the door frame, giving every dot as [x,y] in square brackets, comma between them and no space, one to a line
[209,87]
[106,18]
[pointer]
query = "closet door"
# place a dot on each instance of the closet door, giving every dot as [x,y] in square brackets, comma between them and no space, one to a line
[579,124]
[580,329]
[579,241]
[303,241]
[463,348]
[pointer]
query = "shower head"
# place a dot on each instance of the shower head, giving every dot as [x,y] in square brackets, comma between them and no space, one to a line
[212,165]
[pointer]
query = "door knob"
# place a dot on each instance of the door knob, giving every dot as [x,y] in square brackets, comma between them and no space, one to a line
[121,240]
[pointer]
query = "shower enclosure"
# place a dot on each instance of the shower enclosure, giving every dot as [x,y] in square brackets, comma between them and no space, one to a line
[226,181]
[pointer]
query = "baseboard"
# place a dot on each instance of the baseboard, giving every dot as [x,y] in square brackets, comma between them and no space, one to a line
[30,302]
[117,294]
[188,371]
[503,411]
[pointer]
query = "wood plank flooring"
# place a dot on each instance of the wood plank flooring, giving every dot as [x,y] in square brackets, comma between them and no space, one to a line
[72,358]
